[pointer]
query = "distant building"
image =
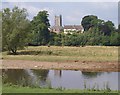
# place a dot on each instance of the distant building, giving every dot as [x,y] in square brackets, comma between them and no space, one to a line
[58,20]
[57,28]
[58,24]
[73,28]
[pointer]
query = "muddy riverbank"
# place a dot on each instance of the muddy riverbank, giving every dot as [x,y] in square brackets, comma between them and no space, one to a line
[83,65]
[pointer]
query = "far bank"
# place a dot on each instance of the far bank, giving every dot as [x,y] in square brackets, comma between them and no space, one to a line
[89,58]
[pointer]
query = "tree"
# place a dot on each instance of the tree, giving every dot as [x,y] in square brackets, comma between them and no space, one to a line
[88,21]
[15,29]
[119,27]
[107,27]
[40,25]
[58,40]
[52,38]
[114,39]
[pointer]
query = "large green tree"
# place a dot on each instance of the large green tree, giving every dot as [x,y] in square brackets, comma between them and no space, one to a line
[15,29]
[89,21]
[40,28]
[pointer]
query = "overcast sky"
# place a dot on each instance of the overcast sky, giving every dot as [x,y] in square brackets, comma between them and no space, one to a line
[72,12]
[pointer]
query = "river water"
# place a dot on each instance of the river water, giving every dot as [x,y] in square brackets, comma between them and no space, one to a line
[68,79]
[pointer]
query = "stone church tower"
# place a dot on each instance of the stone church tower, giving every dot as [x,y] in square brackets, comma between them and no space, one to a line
[58,20]
[58,24]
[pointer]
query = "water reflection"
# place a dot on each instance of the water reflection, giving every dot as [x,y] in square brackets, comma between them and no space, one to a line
[25,77]
[91,74]
[58,73]
[13,76]
[60,78]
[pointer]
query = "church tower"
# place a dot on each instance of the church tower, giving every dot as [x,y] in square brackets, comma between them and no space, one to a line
[58,20]
[57,28]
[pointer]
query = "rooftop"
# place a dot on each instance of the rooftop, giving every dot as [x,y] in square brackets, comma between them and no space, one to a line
[78,27]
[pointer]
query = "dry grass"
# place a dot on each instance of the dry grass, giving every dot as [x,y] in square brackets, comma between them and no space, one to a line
[61,54]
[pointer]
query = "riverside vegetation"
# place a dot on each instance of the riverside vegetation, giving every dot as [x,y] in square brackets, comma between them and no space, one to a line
[18,31]
[19,89]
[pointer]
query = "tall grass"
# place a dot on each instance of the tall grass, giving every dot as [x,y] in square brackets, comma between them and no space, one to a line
[19,89]
[56,53]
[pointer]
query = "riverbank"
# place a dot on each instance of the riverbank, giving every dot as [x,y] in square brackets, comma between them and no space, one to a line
[83,66]
[89,58]
[19,89]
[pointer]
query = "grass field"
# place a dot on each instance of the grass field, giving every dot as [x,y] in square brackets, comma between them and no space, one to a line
[63,54]
[18,89]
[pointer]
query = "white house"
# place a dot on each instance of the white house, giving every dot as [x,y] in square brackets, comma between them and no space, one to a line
[73,28]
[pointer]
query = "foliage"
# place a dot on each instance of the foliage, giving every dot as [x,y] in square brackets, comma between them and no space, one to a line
[97,32]
[114,39]
[15,29]
[87,38]
[88,21]
[40,25]
[58,40]
[107,27]
[18,31]
[52,38]
[91,21]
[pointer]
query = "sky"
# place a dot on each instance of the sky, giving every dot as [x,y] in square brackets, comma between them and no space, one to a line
[72,12]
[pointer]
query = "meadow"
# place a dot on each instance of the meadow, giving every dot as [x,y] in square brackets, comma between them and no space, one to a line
[66,54]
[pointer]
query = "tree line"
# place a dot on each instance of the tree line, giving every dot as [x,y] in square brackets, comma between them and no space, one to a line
[18,31]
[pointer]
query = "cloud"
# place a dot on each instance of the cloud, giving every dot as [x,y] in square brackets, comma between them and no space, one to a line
[105,11]
[72,12]
[31,9]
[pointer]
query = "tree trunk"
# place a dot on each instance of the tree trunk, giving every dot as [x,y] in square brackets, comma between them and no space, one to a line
[14,51]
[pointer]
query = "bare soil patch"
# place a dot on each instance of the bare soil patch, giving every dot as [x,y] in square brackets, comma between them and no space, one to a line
[83,65]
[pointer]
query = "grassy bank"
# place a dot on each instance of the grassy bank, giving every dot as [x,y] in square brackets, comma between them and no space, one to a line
[18,89]
[66,54]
